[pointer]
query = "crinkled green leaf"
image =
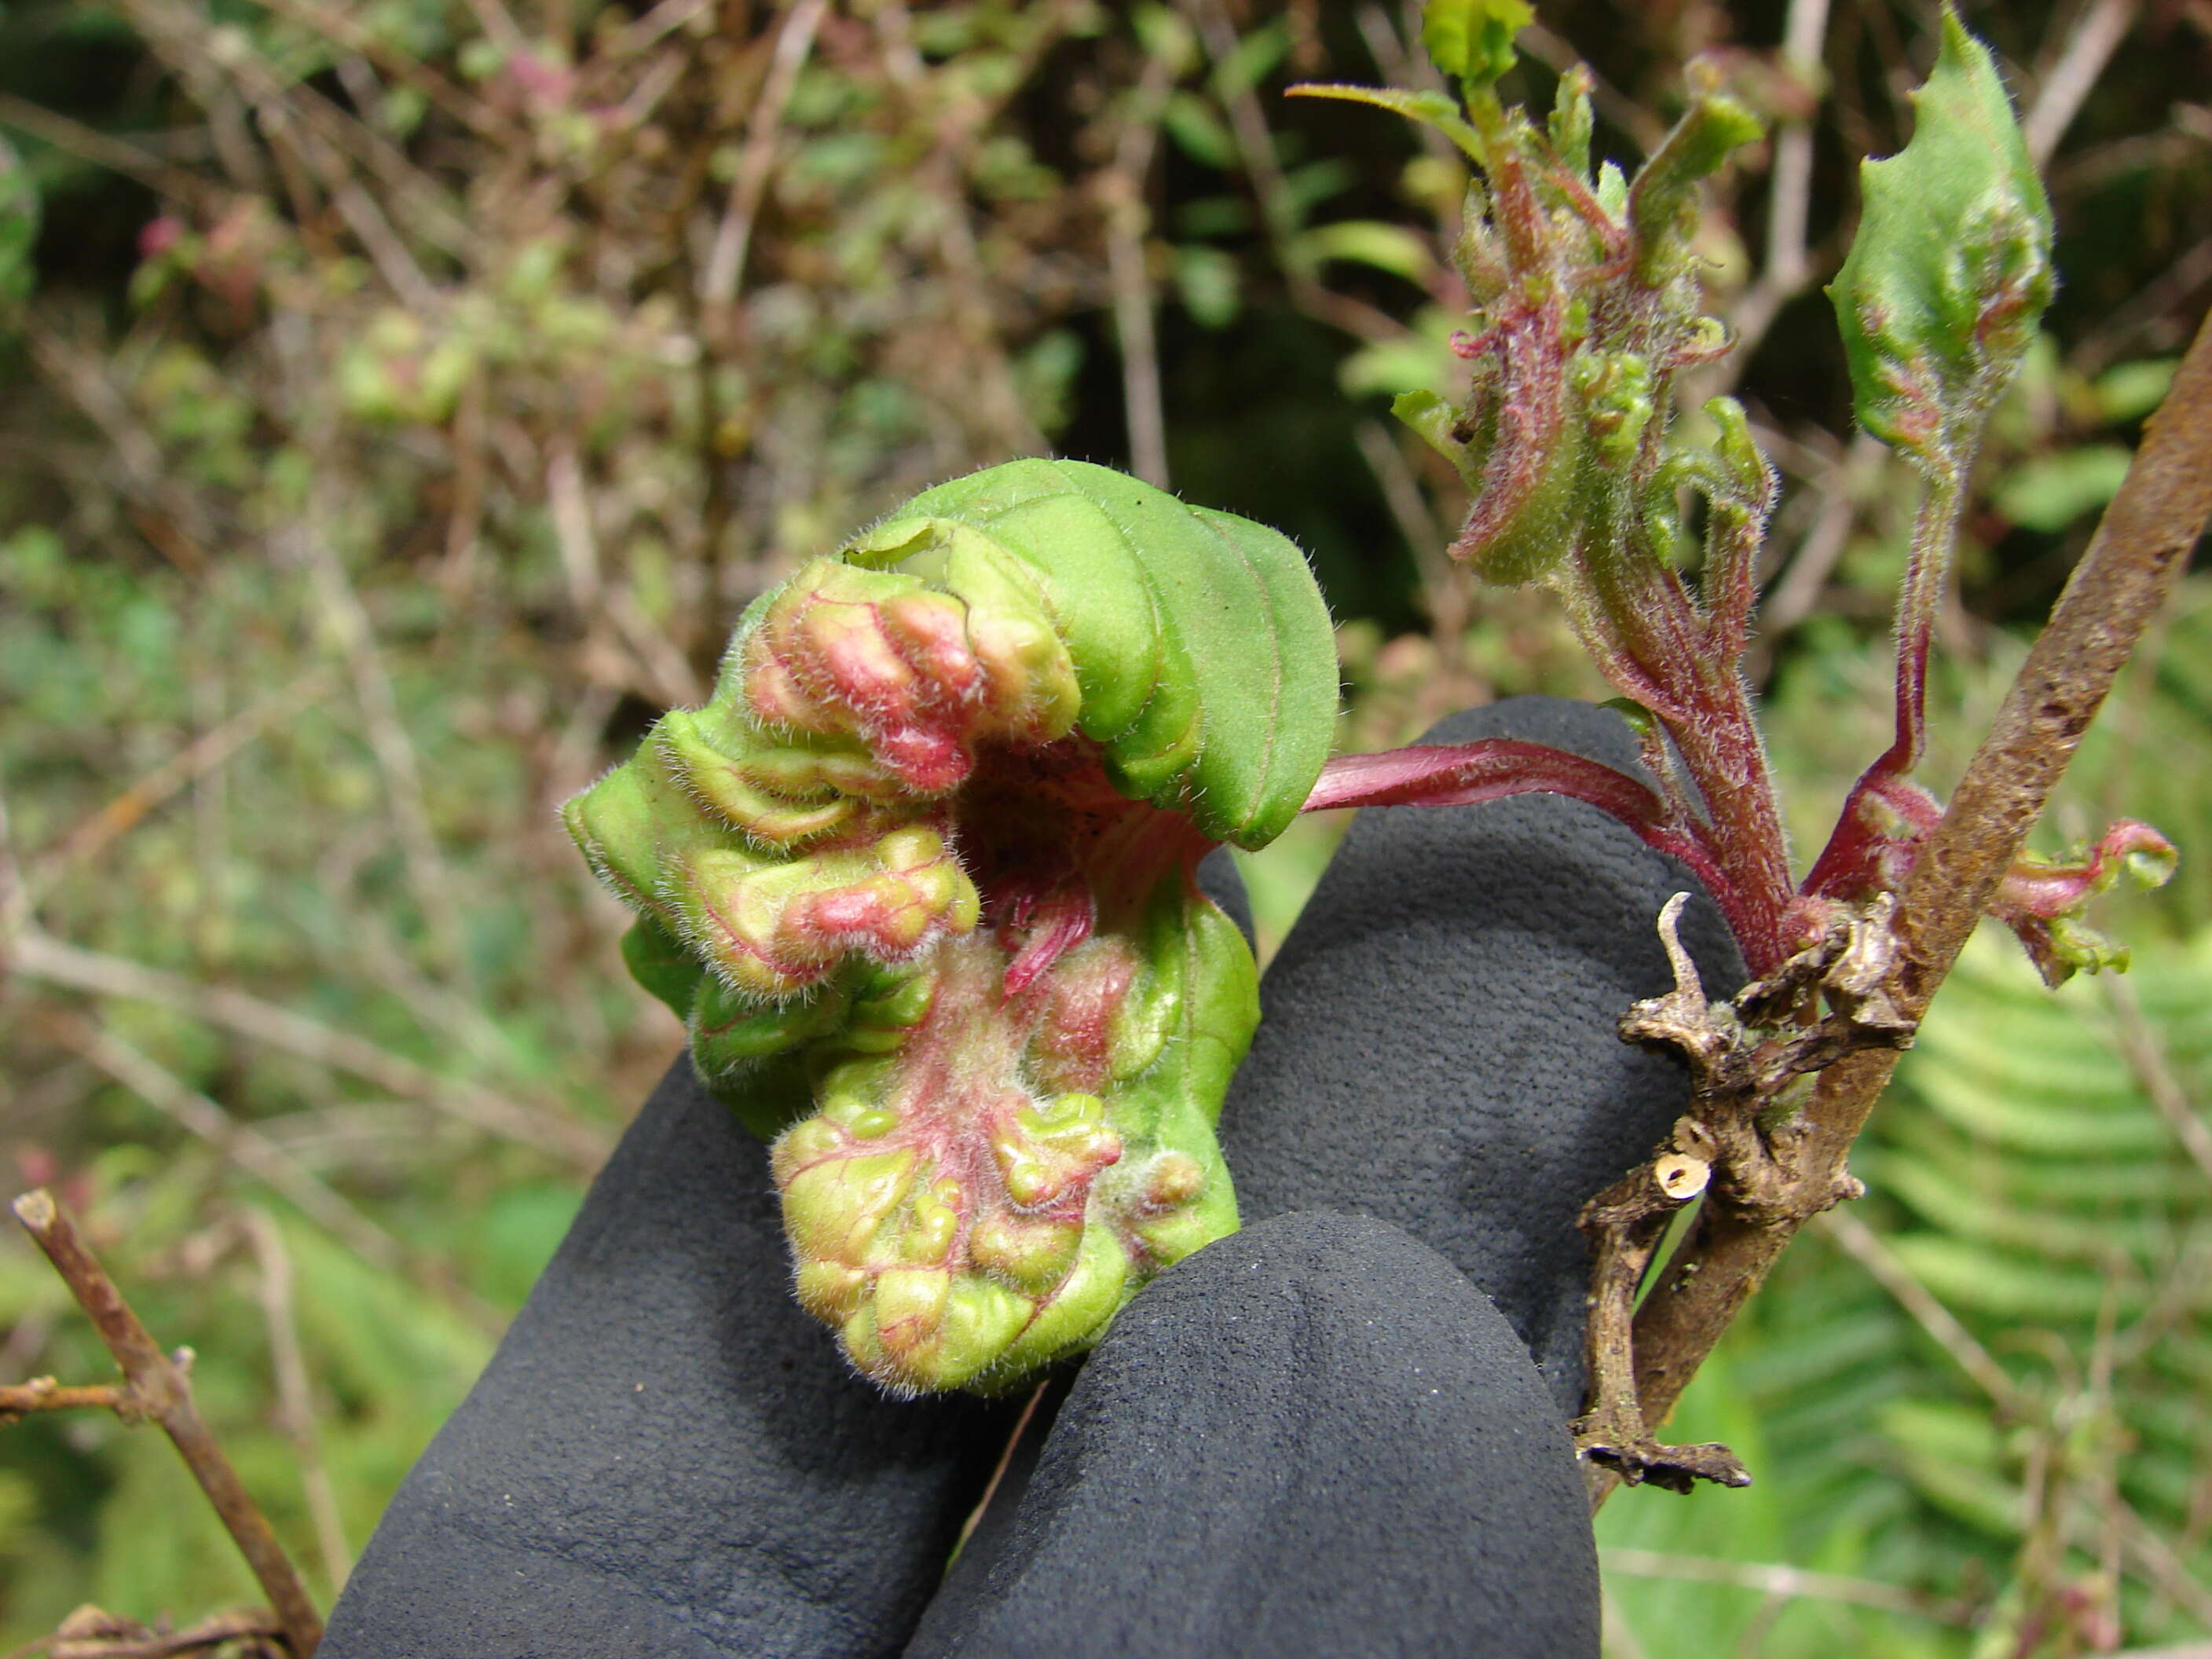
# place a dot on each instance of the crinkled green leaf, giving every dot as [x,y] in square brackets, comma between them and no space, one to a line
[1473,40]
[1181,622]
[1952,262]
[920,877]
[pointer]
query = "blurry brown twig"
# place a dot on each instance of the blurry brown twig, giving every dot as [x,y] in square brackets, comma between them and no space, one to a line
[347,619]
[239,1142]
[103,149]
[132,464]
[657,669]
[1786,269]
[336,23]
[2147,311]
[1776,1578]
[1447,588]
[15,892]
[1864,1246]
[160,1392]
[37,956]
[725,261]
[1807,574]
[295,1408]
[2096,35]
[1127,219]
[2147,1058]
[92,1633]
[304,129]
[203,754]
[630,43]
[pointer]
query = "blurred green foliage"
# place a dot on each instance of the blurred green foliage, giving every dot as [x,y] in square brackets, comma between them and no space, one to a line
[401,400]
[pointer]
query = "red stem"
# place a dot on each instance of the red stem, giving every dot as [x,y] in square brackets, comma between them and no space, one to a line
[1491,768]
[1846,863]
[1640,625]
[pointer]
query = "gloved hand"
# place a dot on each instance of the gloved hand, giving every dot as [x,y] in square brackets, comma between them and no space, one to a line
[1339,1431]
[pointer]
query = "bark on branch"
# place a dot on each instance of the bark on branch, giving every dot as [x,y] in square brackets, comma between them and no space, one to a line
[43,1393]
[159,1391]
[93,1633]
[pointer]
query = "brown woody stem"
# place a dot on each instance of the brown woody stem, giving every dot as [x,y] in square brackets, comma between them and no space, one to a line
[42,1394]
[91,1633]
[159,1391]
[2138,553]
[1624,1224]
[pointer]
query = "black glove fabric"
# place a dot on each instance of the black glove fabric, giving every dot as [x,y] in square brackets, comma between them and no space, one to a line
[1322,1436]
[1440,1046]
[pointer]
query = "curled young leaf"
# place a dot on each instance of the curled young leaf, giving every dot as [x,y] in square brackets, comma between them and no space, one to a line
[925,865]
[1951,266]
[2045,900]
[1473,40]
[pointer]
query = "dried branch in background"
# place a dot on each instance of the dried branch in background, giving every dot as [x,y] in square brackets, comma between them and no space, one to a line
[159,1391]
[34,956]
[292,1394]
[251,1150]
[2095,37]
[1127,220]
[93,1633]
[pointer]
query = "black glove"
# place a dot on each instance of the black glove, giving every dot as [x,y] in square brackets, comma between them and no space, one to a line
[1315,1436]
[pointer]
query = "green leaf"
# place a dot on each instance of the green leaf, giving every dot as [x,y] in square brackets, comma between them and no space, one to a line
[1184,623]
[2128,392]
[1372,242]
[2049,493]
[1473,40]
[1663,204]
[1207,281]
[1431,109]
[1434,417]
[1199,130]
[1254,58]
[1048,689]
[1413,362]
[1951,266]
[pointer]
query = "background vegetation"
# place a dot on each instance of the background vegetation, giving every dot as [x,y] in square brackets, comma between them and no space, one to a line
[403,397]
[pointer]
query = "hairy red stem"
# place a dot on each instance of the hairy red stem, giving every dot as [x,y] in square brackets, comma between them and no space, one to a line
[1491,768]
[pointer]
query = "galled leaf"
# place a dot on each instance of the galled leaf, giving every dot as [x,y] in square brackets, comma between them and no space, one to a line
[1951,266]
[921,880]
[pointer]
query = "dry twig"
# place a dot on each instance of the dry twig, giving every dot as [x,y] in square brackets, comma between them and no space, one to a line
[36,955]
[241,1143]
[1776,1578]
[295,1406]
[43,1393]
[1786,269]
[161,1392]
[2088,49]
[206,752]
[725,261]
[1127,219]
[90,1632]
